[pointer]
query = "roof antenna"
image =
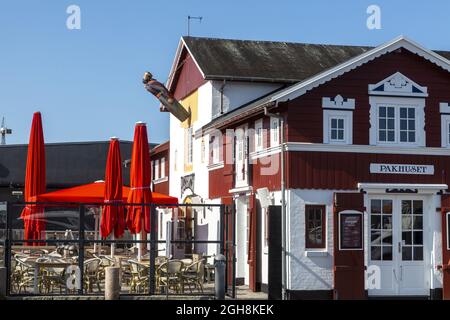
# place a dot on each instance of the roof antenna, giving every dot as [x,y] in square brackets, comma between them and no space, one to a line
[189,18]
[4,131]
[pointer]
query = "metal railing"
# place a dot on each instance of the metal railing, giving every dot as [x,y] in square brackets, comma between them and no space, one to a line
[15,246]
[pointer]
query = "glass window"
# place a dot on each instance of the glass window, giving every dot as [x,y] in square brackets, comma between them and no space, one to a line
[189,145]
[407,125]
[274,129]
[386,124]
[337,129]
[381,229]
[156,171]
[315,226]
[163,167]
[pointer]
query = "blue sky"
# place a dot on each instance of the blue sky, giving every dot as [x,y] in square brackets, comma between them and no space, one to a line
[87,83]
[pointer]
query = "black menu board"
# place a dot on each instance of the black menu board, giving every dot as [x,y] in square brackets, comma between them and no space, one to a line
[351,233]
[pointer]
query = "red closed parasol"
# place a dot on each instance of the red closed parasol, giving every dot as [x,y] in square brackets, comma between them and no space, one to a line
[33,216]
[113,214]
[140,178]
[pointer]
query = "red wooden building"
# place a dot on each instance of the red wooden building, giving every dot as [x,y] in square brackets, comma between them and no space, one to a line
[365,134]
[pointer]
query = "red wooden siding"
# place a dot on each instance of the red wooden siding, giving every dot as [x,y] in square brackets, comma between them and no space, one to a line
[305,112]
[188,78]
[348,265]
[342,171]
[157,153]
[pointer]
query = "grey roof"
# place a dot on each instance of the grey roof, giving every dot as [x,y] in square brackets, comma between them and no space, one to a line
[269,61]
[266,60]
[67,164]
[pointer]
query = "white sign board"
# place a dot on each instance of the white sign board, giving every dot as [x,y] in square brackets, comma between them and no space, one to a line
[401,168]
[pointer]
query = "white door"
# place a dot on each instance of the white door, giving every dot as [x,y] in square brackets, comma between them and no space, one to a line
[396,245]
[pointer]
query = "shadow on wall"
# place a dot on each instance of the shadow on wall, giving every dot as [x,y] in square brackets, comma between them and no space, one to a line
[320,262]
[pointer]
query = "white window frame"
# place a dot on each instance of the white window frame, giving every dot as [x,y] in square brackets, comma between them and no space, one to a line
[347,116]
[156,170]
[397,102]
[215,149]
[274,132]
[163,168]
[259,136]
[189,146]
[445,122]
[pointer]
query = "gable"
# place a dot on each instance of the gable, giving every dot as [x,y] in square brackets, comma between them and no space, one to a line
[398,85]
[187,77]
[389,47]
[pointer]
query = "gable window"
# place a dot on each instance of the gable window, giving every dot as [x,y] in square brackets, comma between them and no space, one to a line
[274,131]
[397,112]
[258,135]
[338,120]
[315,225]
[398,124]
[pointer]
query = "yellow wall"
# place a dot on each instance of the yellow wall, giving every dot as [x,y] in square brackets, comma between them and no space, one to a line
[189,103]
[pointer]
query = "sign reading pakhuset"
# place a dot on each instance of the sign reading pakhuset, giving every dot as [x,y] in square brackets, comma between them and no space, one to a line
[401,168]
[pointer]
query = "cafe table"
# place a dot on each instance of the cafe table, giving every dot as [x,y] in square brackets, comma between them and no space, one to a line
[47,264]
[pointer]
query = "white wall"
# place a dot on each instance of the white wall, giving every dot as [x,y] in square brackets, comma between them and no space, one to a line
[305,272]
[235,94]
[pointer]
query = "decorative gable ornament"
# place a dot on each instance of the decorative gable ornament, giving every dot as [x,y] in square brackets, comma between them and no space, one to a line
[398,85]
[338,103]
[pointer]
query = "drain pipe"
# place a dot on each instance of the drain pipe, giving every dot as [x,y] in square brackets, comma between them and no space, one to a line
[283,201]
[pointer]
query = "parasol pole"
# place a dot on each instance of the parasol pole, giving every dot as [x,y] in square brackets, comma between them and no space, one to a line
[96,213]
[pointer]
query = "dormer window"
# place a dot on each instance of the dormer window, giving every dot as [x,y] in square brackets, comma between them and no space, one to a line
[397,116]
[338,120]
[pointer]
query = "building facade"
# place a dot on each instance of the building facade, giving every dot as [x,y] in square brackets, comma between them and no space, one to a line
[365,134]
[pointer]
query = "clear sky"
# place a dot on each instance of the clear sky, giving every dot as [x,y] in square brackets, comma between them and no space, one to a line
[87,83]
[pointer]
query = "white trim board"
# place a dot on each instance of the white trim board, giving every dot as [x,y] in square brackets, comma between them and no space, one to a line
[323,77]
[353,148]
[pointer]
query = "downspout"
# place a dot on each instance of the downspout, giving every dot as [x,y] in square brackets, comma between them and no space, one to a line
[283,201]
[222,87]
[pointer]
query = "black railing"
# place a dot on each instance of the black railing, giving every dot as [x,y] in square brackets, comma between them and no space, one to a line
[19,277]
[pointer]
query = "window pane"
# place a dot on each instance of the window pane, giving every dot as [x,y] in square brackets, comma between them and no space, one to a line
[387,253]
[375,221]
[375,237]
[406,223]
[418,238]
[403,125]
[391,136]
[387,222]
[341,124]
[411,124]
[375,253]
[411,136]
[418,253]
[411,113]
[341,135]
[387,237]
[418,207]
[406,253]
[403,112]
[383,112]
[375,206]
[406,237]
[314,223]
[403,136]
[387,206]
[406,207]
[382,124]
[333,134]
[418,223]
[391,124]
[382,136]
[333,123]
[391,112]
